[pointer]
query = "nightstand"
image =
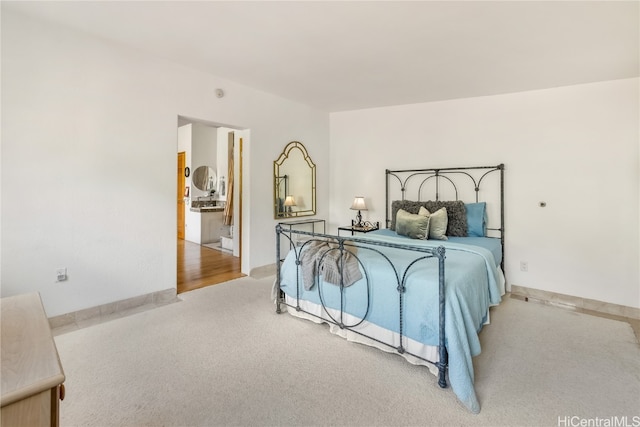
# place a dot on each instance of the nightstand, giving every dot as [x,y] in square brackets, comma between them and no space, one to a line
[311,222]
[367,227]
[302,225]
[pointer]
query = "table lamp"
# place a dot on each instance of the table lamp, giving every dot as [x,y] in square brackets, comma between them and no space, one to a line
[359,205]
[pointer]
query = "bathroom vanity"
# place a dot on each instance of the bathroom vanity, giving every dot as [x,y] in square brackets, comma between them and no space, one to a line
[205,224]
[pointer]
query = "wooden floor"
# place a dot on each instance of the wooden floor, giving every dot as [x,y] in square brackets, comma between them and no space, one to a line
[199,266]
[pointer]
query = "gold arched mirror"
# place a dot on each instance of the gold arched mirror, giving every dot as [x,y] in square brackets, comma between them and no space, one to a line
[294,186]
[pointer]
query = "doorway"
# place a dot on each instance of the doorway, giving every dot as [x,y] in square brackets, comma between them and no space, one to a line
[201,259]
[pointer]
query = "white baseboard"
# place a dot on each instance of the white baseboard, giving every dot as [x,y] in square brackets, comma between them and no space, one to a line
[102,313]
[575,302]
[264,271]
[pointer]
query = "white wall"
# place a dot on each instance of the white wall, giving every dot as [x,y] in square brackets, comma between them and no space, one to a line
[576,148]
[204,146]
[89,143]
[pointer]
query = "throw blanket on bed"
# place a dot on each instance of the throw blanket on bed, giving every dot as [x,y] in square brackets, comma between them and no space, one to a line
[323,257]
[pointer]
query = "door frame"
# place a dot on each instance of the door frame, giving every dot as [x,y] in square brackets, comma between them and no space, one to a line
[182,162]
[243,138]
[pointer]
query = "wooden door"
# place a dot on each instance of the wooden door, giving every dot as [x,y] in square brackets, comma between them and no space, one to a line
[181,194]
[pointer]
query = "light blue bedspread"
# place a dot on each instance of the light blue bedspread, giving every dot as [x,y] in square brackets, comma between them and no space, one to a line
[471,281]
[491,243]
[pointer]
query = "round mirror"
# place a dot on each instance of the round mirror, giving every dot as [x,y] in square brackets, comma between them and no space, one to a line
[204,178]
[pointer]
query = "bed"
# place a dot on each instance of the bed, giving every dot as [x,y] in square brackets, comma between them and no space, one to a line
[421,287]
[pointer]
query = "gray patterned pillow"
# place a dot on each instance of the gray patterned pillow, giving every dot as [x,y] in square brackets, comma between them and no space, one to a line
[456,213]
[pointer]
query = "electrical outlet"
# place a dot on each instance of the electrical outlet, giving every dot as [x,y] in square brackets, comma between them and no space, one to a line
[61,274]
[524,266]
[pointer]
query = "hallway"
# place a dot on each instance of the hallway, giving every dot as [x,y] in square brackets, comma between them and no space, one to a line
[199,266]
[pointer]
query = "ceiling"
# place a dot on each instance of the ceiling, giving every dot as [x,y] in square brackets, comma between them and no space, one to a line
[347,55]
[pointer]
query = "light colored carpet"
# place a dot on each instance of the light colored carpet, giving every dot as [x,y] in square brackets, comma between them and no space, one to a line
[223,356]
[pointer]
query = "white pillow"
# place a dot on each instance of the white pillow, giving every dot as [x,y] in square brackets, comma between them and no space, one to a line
[437,222]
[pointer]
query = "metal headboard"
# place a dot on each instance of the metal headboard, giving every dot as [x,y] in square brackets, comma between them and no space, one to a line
[463,183]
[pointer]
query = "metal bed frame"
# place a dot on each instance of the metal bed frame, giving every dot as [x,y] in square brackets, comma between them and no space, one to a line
[440,176]
[344,244]
[419,178]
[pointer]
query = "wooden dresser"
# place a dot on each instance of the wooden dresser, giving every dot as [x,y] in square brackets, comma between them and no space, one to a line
[32,375]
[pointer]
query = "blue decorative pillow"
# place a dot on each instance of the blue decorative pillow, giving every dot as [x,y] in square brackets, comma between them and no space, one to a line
[476,219]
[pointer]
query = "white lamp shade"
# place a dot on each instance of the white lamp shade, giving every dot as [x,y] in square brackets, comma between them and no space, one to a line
[289,201]
[358,204]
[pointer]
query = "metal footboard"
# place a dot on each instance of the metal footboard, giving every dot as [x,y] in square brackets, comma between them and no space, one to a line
[298,240]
